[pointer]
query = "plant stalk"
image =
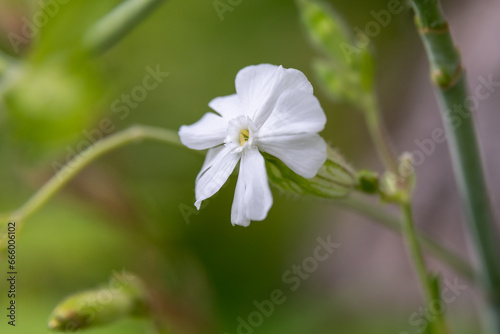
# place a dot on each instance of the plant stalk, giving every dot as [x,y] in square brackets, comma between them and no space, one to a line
[379,136]
[450,88]
[118,23]
[70,170]
[374,212]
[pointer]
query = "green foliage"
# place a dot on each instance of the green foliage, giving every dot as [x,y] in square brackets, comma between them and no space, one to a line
[347,73]
[50,103]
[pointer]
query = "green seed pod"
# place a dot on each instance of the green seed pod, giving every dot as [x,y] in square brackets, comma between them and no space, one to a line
[124,296]
[335,178]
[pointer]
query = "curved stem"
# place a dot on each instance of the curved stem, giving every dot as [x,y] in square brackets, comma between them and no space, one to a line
[450,88]
[70,170]
[388,220]
[118,23]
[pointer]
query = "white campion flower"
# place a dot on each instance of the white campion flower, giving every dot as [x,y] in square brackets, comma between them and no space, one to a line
[273,111]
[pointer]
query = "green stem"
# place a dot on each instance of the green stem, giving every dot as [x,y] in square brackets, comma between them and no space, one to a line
[415,251]
[379,136]
[70,170]
[413,245]
[449,80]
[391,222]
[118,23]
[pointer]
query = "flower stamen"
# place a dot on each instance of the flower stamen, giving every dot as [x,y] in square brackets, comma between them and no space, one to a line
[244,135]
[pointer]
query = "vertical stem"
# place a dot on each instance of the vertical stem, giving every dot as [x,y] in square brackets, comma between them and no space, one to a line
[415,251]
[413,245]
[114,26]
[451,91]
[377,214]
[379,136]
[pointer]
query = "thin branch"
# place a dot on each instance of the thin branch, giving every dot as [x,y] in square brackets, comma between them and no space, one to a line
[110,29]
[450,88]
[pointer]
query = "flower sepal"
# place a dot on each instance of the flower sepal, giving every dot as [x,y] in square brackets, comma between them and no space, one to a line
[335,179]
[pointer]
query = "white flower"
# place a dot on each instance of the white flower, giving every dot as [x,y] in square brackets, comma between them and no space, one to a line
[273,111]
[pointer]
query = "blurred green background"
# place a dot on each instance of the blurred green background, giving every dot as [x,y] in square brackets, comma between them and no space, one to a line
[123,211]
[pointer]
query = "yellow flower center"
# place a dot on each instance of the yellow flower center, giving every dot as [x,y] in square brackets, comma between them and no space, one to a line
[244,135]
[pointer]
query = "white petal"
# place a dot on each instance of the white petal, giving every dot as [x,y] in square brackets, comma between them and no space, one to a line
[252,198]
[227,106]
[208,132]
[238,214]
[215,173]
[209,159]
[260,86]
[295,112]
[303,153]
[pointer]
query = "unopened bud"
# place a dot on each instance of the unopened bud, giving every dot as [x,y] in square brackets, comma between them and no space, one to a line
[124,296]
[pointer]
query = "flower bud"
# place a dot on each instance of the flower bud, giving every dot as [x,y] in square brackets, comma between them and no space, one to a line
[398,187]
[124,296]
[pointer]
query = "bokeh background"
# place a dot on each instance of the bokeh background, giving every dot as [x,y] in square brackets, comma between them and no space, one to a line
[128,209]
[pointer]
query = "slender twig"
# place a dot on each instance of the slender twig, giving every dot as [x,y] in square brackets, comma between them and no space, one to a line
[376,214]
[118,23]
[450,87]
[70,170]
[413,245]
[379,136]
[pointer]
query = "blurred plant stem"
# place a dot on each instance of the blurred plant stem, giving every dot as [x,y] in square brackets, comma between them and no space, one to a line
[110,29]
[72,168]
[379,135]
[426,282]
[373,211]
[450,87]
